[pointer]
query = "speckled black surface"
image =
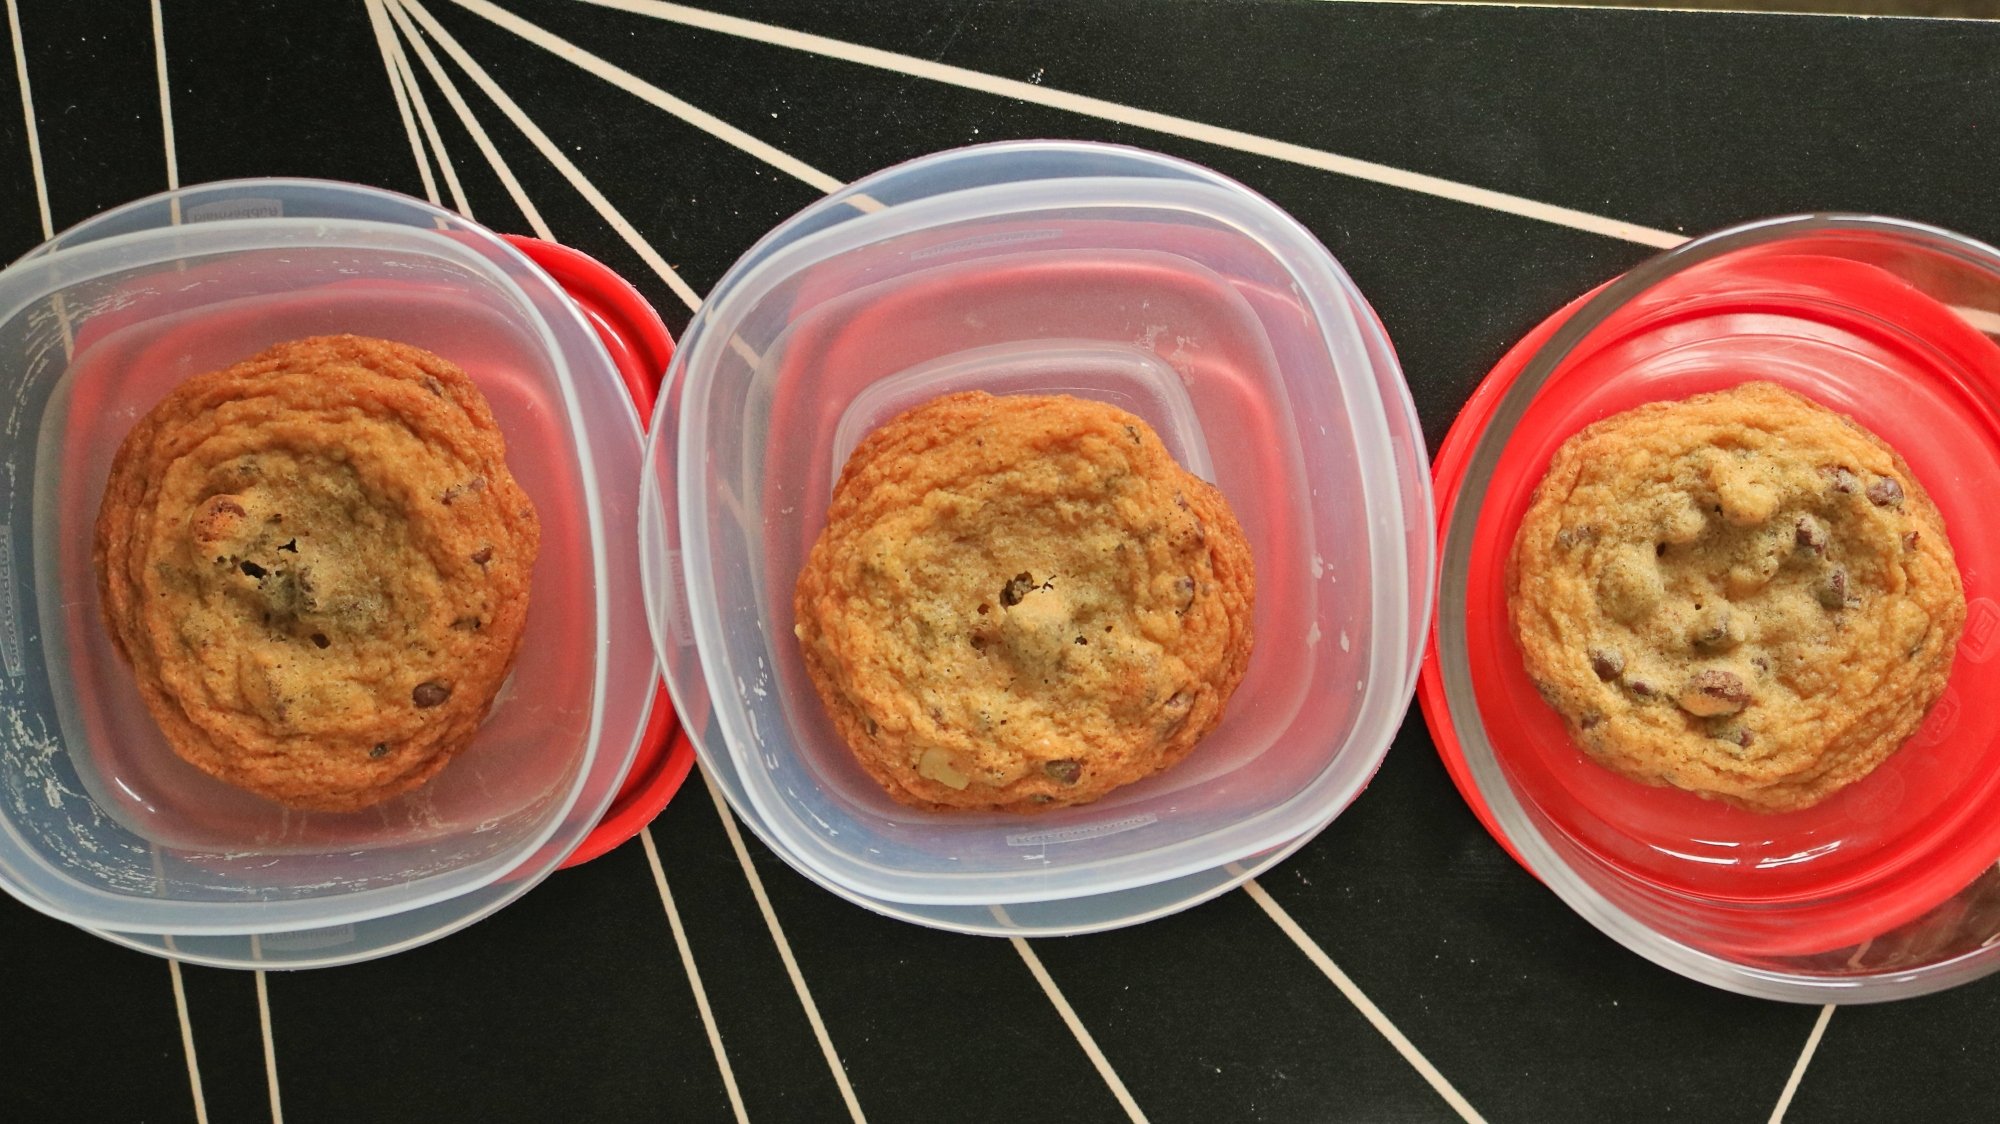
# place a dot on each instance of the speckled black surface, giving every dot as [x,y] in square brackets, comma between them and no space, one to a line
[574,1002]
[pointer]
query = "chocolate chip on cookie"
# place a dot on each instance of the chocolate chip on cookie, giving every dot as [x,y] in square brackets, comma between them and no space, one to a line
[1606,662]
[1710,692]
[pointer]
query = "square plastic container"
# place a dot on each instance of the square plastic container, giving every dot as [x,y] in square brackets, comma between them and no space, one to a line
[1085,269]
[100,823]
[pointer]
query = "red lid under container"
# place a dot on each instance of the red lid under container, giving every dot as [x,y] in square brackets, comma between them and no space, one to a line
[641,347]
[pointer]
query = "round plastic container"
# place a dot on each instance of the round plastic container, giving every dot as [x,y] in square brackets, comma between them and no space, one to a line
[1087,269]
[1885,889]
[100,824]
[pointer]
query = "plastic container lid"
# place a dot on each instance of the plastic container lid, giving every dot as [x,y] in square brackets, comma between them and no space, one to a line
[1828,307]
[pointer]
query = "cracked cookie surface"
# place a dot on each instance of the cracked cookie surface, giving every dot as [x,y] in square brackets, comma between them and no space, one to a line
[1742,594]
[1022,603]
[317,565]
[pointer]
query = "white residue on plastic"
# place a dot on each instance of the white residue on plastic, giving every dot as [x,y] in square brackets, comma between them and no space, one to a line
[1318,566]
[1312,635]
[37,753]
[1181,358]
[1041,839]
[500,698]
[421,811]
[79,839]
[1344,643]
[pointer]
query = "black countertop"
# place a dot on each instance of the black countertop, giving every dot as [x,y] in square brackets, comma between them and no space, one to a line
[1472,167]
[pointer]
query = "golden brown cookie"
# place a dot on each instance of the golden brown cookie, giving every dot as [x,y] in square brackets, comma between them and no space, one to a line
[317,564]
[1742,594]
[1022,603]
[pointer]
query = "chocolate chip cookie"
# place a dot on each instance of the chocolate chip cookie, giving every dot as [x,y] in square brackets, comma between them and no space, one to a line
[317,565]
[1022,603]
[1742,594]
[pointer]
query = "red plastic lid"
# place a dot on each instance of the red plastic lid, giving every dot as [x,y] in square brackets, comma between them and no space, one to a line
[641,347]
[1861,340]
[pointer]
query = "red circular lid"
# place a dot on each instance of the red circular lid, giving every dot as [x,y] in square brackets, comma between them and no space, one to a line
[641,348]
[1861,340]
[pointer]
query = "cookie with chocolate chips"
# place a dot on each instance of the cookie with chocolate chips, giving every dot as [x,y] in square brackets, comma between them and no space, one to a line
[317,564]
[1741,594]
[1022,603]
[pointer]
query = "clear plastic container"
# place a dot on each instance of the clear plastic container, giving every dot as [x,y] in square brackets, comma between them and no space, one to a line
[100,823]
[1885,889]
[1044,267]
